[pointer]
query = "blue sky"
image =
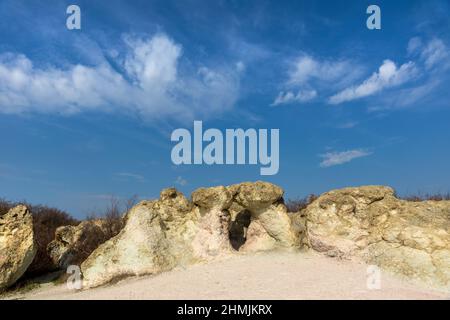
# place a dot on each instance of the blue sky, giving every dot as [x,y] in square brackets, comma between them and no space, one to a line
[88,113]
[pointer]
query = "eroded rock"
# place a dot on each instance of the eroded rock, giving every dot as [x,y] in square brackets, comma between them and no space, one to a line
[17,245]
[408,238]
[173,231]
[73,244]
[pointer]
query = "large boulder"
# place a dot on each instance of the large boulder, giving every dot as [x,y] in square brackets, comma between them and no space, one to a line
[173,231]
[270,226]
[370,223]
[17,245]
[158,236]
[73,244]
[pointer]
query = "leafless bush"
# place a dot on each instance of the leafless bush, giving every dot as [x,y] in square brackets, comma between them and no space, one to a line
[45,222]
[113,213]
[4,206]
[295,205]
[426,197]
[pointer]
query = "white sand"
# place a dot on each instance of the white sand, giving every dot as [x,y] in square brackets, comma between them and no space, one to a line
[274,275]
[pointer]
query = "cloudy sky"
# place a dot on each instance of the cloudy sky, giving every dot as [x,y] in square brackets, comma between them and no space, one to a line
[88,113]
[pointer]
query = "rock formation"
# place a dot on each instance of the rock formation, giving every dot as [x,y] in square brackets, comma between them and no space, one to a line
[370,223]
[173,231]
[73,244]
[366,223]
[17,245]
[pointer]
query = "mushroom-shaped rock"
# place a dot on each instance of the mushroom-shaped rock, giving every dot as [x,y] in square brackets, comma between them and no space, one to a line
[256,196]
[270,225]
[215,197]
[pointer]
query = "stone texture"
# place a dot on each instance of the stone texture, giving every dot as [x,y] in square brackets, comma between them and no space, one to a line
[73,244]
[408,238]
[256,196]
[270,225]
[208,198]
[173,231]
[17,245]
[158,236]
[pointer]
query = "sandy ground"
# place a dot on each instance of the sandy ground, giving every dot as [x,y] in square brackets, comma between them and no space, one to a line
[274,275]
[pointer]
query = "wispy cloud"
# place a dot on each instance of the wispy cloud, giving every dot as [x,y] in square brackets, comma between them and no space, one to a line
[336,158]
[388,75]
[308,75]
[347,125]
[290,97]
[435,53]
[180,181]
[146,80]
[423,74]
[129,175]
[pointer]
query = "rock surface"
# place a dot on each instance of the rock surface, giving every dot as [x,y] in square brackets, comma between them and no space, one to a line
[173,231]
[17,245]
[73,244]
[365,223]
[370,223]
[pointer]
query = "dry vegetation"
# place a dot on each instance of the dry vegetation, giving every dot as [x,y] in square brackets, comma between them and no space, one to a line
[113,213]
[298,204]
[427,197]
[46,220]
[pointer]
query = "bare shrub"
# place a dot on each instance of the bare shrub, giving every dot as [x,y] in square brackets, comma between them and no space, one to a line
[113,213]
[295,205]
[4,206]
[45,222]
[427,197]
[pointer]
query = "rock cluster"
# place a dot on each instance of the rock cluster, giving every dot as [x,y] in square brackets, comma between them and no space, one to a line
[367,223]
[174,231]
[370,223]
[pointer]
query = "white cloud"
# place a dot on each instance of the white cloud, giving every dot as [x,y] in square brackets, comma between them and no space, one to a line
[307,68]
[290,97]
[388,75]
[128,175]
[435,54]
[413,45]
[307,75]
[347,125]
[149,84]
[432,60]
[180,181]
[336,158]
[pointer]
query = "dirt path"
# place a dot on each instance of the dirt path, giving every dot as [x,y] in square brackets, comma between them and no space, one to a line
[275,275]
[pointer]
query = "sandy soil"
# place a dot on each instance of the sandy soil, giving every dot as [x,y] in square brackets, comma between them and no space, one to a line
[274,275]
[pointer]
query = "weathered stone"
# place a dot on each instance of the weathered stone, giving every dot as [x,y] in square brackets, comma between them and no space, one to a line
[213,197]
[17,245]
[171,231]
[256,196]
[73,244]
[158,236]
[408,238]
